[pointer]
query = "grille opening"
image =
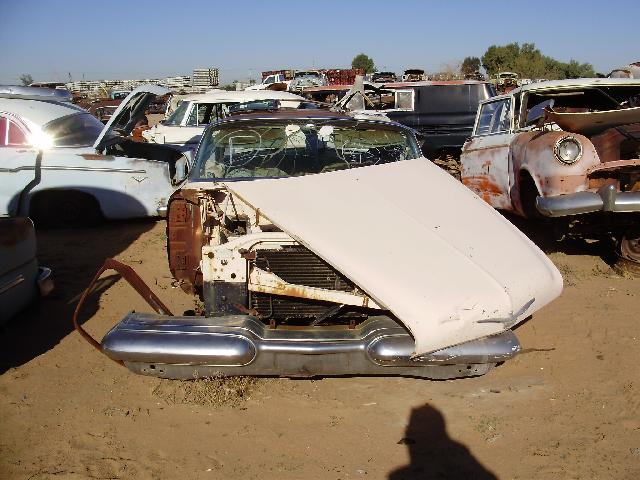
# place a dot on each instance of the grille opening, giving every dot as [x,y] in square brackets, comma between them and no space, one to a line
[298,265]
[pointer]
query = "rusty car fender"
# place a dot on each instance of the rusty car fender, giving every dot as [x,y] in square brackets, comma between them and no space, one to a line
[532,154]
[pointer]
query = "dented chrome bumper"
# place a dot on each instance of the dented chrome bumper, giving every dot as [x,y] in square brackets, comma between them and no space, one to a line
[606,199]
[188,347]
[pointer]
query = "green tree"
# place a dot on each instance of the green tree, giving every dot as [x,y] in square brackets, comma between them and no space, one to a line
[574,69]
[529,62]
[364,62]
[26,79]
[470,65]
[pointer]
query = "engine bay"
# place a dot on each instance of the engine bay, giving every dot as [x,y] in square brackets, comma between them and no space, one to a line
[238,262]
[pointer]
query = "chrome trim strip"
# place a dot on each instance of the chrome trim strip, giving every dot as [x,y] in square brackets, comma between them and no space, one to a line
[77,169]
[12,283]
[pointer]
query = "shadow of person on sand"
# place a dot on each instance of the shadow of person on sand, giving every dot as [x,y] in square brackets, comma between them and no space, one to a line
[74,255]
[433,454]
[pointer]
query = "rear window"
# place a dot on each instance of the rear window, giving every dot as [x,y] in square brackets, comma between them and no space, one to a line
[78,129]
[453,98]
[11,135]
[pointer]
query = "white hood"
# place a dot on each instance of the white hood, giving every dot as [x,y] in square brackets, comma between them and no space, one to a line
[422,245]
[130,111]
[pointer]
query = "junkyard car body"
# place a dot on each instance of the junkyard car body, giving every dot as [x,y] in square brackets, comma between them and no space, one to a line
[305,79]
[560,149]
[21,279]
[270,81]
[325,245]
[67,166]
[414,75]
[442,112]
[184,127]
[630,71]
[383,77]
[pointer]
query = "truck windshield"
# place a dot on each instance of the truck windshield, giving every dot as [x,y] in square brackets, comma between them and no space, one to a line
[294,147]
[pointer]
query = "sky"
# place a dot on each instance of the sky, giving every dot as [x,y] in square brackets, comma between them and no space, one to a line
[133,39]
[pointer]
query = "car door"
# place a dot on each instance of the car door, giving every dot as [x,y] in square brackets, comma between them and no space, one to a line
[17,162]
[485,156]
[192,126]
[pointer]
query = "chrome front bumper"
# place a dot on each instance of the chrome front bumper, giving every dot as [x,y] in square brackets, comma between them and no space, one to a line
[188,347]
[607,199]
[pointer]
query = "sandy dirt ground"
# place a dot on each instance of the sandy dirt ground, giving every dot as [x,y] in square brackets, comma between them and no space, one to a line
[567,407]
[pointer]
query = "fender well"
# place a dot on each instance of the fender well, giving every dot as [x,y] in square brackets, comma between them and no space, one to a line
[60,207]
[525,193]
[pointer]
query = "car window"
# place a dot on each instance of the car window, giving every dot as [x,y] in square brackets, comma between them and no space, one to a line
[77,129]
[200,114]
[502,117]
[11,134]
[178,114]
[495,117]
[404,99]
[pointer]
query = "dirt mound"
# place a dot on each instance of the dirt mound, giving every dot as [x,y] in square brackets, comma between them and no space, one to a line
[209,391]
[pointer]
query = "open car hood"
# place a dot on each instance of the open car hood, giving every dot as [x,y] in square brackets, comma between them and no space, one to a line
[591,123]
[419,243]
[131,111]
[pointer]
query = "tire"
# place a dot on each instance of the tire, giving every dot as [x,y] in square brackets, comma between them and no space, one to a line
[65,209]
[630,245]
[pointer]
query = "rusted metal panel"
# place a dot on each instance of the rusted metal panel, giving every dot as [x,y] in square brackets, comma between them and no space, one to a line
[185,239]
[622,143]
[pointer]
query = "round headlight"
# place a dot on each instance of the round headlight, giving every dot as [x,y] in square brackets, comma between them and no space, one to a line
[568,150]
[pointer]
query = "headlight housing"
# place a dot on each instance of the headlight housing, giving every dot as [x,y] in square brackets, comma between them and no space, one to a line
[568,150]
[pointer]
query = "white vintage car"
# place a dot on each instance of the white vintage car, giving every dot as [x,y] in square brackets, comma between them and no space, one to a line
[320,245]
[60,165]
[184,127]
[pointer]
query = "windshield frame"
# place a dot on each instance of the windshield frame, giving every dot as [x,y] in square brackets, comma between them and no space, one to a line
[194,174]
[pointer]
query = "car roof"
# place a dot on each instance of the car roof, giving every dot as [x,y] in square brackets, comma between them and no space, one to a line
[39,112]
[575,82]
[432,83]
[241,96]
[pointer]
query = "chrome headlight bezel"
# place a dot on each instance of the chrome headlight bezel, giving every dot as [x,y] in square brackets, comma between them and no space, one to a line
[558,144]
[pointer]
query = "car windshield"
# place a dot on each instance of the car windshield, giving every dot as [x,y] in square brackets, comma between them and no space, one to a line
[295,147]
[178,114]
[78,129]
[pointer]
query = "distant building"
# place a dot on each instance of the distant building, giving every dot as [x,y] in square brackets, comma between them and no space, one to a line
[203,79]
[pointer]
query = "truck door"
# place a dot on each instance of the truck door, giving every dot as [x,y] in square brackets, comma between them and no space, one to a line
[17,162]
[485,156]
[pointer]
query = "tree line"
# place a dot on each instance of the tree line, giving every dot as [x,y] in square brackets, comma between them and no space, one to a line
[526,60]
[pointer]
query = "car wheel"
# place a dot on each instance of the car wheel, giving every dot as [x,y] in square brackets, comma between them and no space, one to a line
[630,245]
[65,208]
